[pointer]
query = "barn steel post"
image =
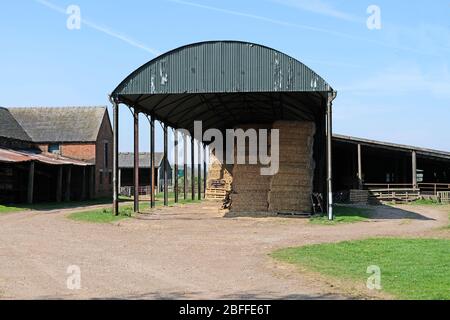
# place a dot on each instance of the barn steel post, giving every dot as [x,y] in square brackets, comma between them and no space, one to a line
[204,171]
[175,171]
[185,168]
[136,160]
[192,169]
[414,169]
[360,179]
[152,159]
[59,184]
[199,170]
[115,156]
[166,171]
[30,192]
[331,97]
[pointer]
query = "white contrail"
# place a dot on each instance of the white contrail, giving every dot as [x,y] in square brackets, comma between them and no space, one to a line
[301,26]
[102,29]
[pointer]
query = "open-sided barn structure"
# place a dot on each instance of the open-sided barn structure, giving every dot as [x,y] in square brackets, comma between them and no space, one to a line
[230,84]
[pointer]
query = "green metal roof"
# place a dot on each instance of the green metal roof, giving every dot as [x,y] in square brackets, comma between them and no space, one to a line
[222,67]
[224,84]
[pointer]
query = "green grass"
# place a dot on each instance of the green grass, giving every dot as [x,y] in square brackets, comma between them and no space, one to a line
[101,215]
[343,214]
[410,268]
[55,205]
[426,202]
[105,215]
[10,209]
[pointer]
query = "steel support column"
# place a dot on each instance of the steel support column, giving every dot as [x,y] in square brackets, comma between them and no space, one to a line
[360,178]
[199,171]
[204,172]
[192,169]
[136,161]
[30,191]
[115,157]
[166,171]
[152,160]
[185,168]
[331,97]
[175,171]
[414,169]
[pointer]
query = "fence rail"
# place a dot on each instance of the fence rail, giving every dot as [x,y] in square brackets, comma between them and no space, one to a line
[424,188]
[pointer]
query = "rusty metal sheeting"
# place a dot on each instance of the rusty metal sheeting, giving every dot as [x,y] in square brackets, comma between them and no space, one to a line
[14,156]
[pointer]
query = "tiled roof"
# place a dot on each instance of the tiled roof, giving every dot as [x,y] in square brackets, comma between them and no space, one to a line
[67,124]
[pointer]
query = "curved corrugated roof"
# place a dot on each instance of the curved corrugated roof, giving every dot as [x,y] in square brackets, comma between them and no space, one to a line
[222,66]
[224,84]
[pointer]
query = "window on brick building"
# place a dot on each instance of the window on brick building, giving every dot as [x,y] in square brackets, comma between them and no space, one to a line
[101,178]
[54,148]
[110,178]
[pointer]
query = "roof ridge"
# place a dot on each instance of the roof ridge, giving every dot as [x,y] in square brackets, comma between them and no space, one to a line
[57,107]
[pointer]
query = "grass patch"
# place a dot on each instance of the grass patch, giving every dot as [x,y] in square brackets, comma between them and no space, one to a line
[55,205]
[105,215]
[101,215]
[11,208]
[410,268]
[426,202]
[343,214]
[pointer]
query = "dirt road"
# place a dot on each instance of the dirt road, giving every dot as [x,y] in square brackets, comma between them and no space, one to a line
[185,252]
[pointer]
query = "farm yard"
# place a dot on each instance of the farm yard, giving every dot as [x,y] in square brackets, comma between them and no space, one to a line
[192,251]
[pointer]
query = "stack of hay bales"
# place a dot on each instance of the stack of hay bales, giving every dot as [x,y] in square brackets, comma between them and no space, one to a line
[250,188]
[292,186]
[219,179]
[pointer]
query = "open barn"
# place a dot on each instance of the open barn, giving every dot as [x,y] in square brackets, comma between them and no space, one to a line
[232,85]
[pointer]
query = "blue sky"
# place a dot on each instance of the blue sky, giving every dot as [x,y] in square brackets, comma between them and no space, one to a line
[393,84]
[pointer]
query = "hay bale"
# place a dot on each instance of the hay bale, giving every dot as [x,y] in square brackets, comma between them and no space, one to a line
[291,187]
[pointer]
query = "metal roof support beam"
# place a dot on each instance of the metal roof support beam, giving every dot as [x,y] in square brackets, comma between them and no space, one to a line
[199,170]
[204,171]
[414,169]
[166,171]
[360,178]
[331,96]
[136,161]
[175,174]
[185,168]
[152,161]
[192,169]
[115,156]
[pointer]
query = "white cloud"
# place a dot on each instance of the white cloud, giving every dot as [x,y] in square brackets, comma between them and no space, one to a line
[102,29]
